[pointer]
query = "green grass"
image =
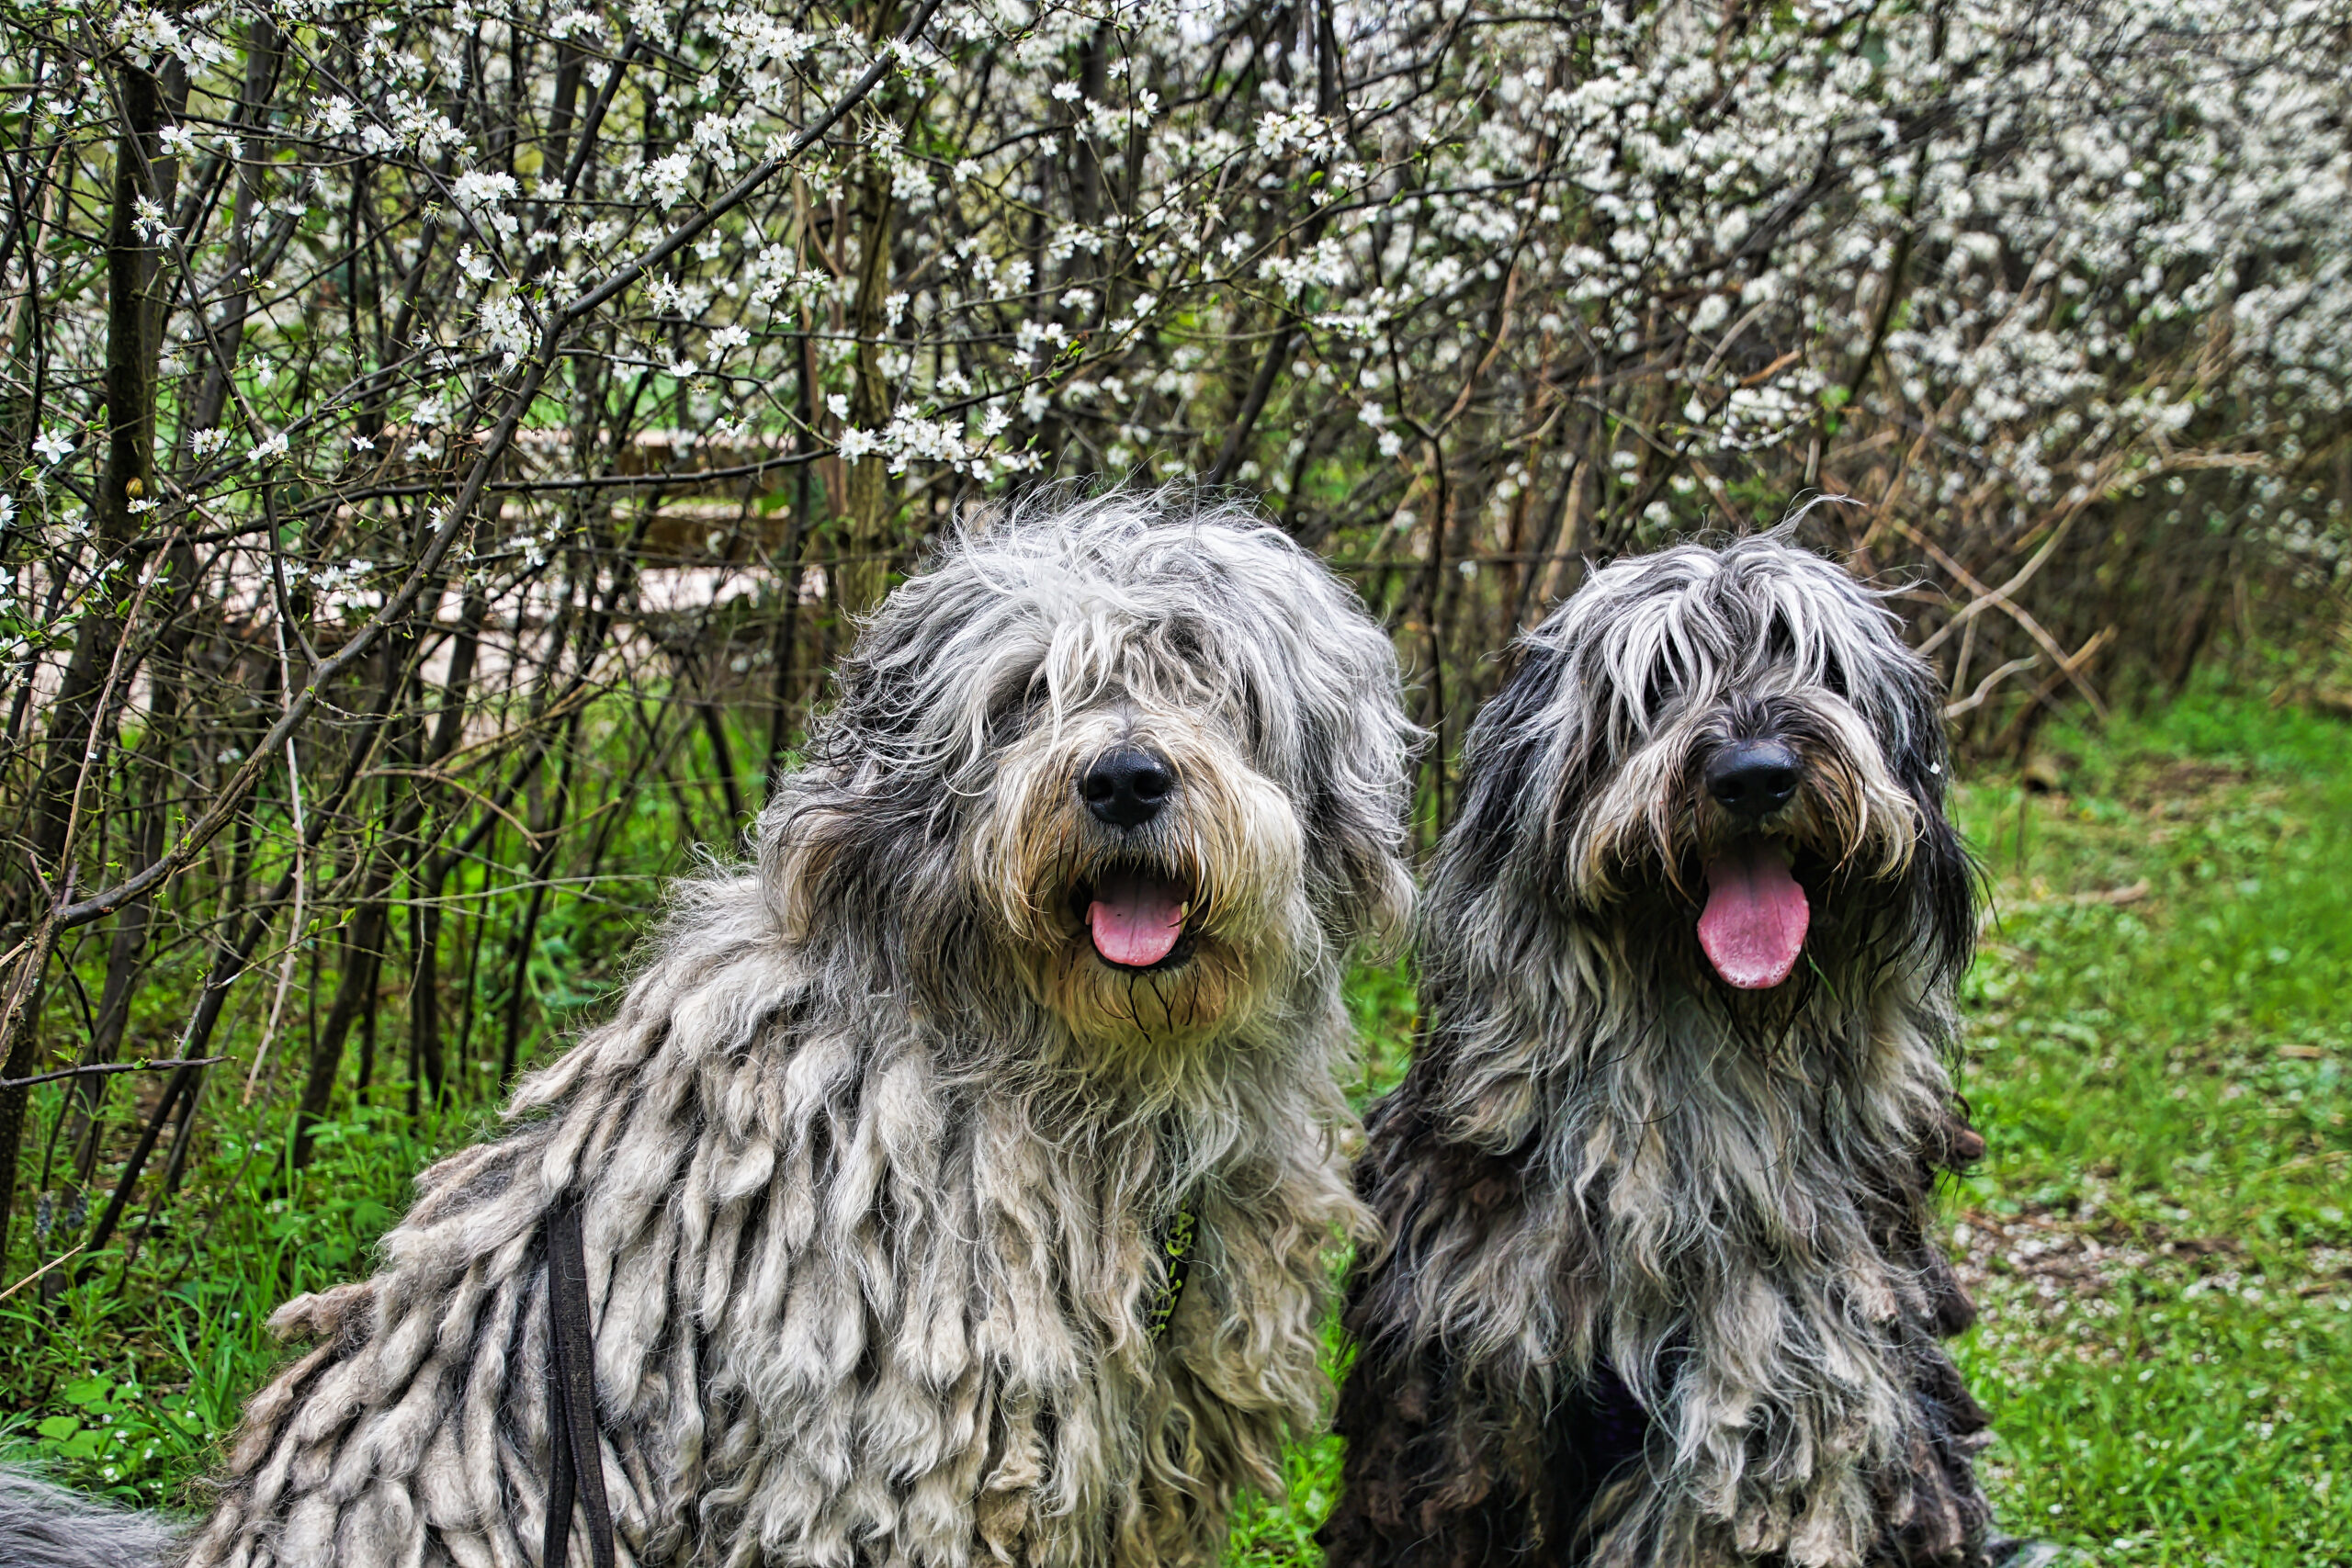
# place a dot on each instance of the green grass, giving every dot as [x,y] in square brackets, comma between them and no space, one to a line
[2158,1057]
[2159,1238]
[130,1391]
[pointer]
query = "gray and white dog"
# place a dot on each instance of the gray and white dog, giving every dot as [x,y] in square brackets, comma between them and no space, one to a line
[1661,1286]
[1043,946]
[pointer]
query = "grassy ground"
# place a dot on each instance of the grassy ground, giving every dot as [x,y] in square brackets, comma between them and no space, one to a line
[2159,1057]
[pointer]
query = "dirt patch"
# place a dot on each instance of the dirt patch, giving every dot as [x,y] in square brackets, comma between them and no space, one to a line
[2047,1262]
[2048,1278]
[2185,781]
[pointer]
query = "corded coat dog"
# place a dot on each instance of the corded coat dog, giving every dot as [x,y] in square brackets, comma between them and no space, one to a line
[1661,1285]
[871,1184]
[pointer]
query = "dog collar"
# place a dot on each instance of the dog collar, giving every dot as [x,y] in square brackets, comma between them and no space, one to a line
[1175,1243]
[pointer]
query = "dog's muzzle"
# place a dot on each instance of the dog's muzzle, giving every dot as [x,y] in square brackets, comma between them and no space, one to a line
[1135,912]
[1754,926]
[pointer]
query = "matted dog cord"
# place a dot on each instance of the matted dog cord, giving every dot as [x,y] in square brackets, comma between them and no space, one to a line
[571,1397]
[1175,1246]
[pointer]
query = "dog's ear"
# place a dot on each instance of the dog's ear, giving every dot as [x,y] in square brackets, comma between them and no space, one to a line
[1351,768]
[817,815]
[1355,791]
[1945,878]
[1381,895]
[801,836]
[833,848]
[1527,776]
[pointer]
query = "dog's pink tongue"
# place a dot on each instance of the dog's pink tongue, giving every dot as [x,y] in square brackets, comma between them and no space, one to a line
[1755,917]
[1136,921]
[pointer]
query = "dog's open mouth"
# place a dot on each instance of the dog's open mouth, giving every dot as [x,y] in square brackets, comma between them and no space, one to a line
[1754,925]
[1136,918]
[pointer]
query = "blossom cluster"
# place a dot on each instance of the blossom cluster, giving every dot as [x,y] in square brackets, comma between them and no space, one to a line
[1567,280]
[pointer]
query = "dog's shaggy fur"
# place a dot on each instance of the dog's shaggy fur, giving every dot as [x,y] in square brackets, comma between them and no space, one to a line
[1660,1285]
[874,1155]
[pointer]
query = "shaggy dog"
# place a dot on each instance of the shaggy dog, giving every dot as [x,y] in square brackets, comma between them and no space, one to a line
[1661,1286]
[877,1163]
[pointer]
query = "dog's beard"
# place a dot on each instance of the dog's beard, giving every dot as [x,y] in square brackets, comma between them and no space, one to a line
[1151,939]
[1766,925]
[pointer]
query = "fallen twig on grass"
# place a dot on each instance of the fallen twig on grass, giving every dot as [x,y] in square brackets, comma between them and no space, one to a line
[61,1258]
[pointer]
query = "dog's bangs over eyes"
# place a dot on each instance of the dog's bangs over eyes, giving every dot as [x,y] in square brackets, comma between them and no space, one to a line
[952,692]
[1661,636]
[1013,629]
[1655,656]
[1104,658]
[1223,655]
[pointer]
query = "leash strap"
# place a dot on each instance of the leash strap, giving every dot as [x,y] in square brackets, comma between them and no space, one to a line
[571,1397]
[1176,1240]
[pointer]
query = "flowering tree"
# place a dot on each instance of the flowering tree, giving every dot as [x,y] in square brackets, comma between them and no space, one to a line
[435,431]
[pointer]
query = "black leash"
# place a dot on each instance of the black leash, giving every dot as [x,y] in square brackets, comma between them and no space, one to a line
[572,1395]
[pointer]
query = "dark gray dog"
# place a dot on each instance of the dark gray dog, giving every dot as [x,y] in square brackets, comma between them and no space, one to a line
[1660,1287]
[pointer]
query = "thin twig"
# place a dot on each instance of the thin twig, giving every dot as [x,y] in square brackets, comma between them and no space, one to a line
[96,1069]
[105,697]
[1999,598]
[1985,688]
[294,790]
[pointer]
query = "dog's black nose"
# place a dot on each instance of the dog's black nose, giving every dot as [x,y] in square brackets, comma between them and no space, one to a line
[1127,788]
[1754,778]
